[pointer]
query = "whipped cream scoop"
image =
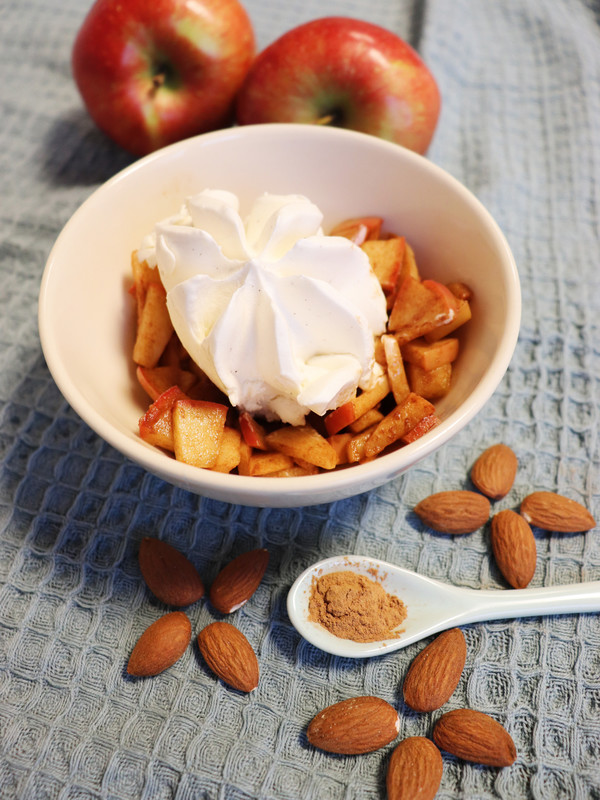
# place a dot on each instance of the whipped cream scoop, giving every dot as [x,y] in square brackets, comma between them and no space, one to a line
[281,317]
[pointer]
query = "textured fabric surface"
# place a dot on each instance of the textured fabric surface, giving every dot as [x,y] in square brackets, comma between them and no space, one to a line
[520,127]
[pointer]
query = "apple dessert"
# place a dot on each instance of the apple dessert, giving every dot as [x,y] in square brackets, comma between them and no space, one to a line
[269,348]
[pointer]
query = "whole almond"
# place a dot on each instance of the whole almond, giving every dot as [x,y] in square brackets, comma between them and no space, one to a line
[435,672]
[160,645]
[513,546]
[554,512]
[229,655]
[169,575]
[237,581]
[494,471]
[458,511]
[474,736]
[356,725]
[414,770]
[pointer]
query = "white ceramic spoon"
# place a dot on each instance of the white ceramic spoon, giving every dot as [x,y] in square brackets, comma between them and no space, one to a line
[431,605]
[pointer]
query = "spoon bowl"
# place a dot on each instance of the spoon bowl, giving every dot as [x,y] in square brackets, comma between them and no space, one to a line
[432,606]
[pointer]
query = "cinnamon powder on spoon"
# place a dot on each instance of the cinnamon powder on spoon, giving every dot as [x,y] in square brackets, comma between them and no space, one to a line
[352,606]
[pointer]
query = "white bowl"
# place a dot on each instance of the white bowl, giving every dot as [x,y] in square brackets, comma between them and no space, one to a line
[86,317]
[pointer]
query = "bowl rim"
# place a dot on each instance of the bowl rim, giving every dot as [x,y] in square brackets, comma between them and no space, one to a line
[302,490]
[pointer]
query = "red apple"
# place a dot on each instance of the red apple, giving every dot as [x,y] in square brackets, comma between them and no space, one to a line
[344,72]
[152,72]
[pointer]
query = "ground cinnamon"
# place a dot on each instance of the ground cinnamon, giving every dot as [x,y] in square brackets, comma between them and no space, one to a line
[352,606]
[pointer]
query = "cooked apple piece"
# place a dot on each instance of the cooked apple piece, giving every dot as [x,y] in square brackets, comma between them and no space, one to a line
[410,263]
[156,380]
[143,276]
[461,290]
[204,389]
[462,315]
[156,425]
[421,306]
[339,442]
[303,442]
[371,417]
[395,368]
[229,452]
[198,428]
[358,229]
[350,411]
[421,428]
[397,423]
[432,383]
[386,257]
[265,464]
[154,327]
[252,431]
[355,450]
[429,355]
[295,471]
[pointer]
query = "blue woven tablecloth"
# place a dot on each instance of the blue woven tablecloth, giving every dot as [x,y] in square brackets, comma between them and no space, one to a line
[520,126]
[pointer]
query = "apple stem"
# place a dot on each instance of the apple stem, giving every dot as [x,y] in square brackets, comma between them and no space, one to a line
[326,120]
[158,80]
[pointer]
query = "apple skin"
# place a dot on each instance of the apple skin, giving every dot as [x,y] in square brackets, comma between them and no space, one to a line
[344,72]
[152,72]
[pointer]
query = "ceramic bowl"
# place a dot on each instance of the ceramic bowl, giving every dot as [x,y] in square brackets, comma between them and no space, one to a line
[86,317]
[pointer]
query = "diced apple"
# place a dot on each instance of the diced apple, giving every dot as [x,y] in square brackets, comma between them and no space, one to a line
[229,452]
[432,383]
[264,464]
[252,431]
[421,428]
[397,423]
[154,327]
[198,428]
[429,355]
[371,417]
[348,412]
[395,368]
[462,315]
[421,306]
[339,442]
[156,380]
[460,290]
[303,442]
[410,263]
[358,229]
[386,257]
[355,450]
[143,276]
[174,354]
[156,425]
[295,471]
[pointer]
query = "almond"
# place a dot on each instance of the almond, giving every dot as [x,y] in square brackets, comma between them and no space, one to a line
[474,736]
[160,645]
[435,672]
[414,770]
[494,471]
[553,512]
[229,655]
[237,581]
[356,725]
[458,511]
[513,546]
[169,575]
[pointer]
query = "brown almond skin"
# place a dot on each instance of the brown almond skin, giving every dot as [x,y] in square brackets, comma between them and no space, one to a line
[554,512]
[414,770]
[160,645]
[495,470]
[474,736]
[237,581]
[455,512]
[353,726]
[229,655]
[514,548]
[170,576]
[435,672]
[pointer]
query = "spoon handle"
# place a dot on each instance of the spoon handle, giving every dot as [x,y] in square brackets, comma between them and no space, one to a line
[539,601]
